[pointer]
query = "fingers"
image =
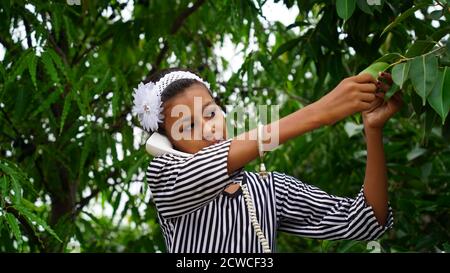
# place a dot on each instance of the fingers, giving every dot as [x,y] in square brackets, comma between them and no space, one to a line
[368,97]
[386,77]
[382,87]
[395,103]
[398,98]
[364,78]
[365,106]
[368,87]
[380,95]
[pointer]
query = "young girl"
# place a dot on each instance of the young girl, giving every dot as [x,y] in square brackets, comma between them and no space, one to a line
[207,202]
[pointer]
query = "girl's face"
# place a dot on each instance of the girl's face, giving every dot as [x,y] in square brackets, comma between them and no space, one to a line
[192,120]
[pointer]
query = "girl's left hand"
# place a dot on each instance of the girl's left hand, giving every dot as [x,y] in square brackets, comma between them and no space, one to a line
[380,110]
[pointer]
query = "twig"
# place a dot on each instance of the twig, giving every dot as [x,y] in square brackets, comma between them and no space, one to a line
[405,59]
[28,32]
[57,48]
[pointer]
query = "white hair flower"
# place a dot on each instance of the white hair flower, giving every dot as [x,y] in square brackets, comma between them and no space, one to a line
[147,98]
[148,106]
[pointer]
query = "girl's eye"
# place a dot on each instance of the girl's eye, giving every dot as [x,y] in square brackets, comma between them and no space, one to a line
[210,114]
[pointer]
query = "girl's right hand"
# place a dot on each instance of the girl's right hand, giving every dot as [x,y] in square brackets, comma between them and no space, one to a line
[350,96]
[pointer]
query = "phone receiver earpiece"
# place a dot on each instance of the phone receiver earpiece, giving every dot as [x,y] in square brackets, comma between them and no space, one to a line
[158,144]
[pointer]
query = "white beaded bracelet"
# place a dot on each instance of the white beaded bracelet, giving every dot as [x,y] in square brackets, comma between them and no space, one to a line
[262,166]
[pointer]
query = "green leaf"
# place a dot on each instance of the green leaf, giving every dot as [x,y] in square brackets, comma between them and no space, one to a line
[423,73]
[362,4]
[400,73]
[54,96]
[56,59]
[419,47]
[389,58]
[133,169]
[59,63]
[84,155]
[21,104]
[49,67]
[31,217]
[10,169]
[404,16]
[437,35]
[415,153]
[76,96]
[115,99]
[66,109]
[392,90]
[32,65]
[14,227]
[56,19]
[4,184]
[286,47]
[20,66]
[436,15]
[345,8]
[69,29]
[17,190]
[439,97]
[429,122]
[375,68]
[3,73]
[416,102]
[99,89]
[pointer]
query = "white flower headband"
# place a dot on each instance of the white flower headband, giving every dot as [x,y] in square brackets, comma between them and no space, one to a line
[147,98]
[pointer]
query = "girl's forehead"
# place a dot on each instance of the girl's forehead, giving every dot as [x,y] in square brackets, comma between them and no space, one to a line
[190,96]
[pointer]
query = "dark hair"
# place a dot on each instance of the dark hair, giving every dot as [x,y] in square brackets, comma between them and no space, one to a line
[174,88]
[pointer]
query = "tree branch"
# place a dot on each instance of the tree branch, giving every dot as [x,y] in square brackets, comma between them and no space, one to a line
[177,24]
[28,33]
[57,48]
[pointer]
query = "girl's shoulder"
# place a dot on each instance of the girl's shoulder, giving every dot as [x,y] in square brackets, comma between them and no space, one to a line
[167,158]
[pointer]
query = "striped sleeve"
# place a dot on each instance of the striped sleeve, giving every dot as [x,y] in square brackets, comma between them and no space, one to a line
[307,211]
[182,184]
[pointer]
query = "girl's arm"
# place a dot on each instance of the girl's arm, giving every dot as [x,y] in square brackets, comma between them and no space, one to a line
[375,181]
[352,95]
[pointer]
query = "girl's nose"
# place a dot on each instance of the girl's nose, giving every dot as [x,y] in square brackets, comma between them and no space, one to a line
[209,130]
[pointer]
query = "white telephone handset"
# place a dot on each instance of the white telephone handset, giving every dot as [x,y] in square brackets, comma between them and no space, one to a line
[158,144]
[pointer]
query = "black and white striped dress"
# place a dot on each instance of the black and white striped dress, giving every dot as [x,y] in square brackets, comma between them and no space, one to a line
[196,215]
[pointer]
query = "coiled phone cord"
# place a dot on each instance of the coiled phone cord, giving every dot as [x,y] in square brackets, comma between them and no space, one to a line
[248,199]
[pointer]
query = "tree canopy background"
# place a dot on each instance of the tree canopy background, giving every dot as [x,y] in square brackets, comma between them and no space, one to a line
[68,142]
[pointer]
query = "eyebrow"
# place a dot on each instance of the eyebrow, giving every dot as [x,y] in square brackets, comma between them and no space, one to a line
[203,107]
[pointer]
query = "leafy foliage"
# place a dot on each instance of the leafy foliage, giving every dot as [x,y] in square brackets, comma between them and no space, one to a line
[70,148]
